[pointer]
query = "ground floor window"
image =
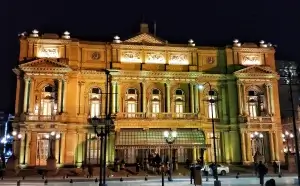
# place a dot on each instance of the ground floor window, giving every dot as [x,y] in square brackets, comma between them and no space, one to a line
[43,149]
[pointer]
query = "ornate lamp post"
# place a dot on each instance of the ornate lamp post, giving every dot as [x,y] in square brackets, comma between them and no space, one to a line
[287,137]
[212,101]
[101,135]
[51,161]
[170,137]
[256,141]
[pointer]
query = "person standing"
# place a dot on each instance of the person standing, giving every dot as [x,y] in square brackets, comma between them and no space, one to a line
[206,171]
[262,171]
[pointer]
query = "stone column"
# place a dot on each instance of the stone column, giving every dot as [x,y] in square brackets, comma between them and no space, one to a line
[144,97]
[33,149]
[196,99]
[276,141]
[17,101]
[245,101]
[114,97]
[62,147]
[240,97]
[31,97]
[192,101]
[25,105]
[119,99]
[21,147]
[56,149]
[80,148]
[271,99]
[272,147]
[59,96]
[168,97]
[224,103]
[27,153]
[65,88]
[248,150]
[194,154]
[243,141]
[209,149]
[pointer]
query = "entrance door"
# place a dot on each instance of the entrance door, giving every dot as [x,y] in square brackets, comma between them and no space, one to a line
[42,150]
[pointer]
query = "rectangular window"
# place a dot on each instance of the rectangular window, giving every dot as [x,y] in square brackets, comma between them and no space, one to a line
[95,109]
[131,108]
[47,107]
[179,110]
[253,110]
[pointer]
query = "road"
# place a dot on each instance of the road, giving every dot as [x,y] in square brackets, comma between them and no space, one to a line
[288,181]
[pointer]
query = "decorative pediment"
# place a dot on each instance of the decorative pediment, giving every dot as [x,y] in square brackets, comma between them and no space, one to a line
[44,64]
[256,71]
[144,38]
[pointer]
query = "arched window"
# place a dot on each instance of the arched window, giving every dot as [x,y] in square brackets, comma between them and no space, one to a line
[48,101]
[131,102]
[212,104]
[155,102]
[179,103]
[95,102]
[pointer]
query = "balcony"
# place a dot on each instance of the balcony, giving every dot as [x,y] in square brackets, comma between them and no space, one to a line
[163,115]
[260,119]
[40,118]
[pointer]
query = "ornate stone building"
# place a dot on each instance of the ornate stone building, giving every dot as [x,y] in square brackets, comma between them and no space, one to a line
[153,86]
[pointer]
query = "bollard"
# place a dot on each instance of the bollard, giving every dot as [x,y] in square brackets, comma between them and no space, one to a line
[237,175]
[67,176]
[23,177]
[46,182]
[71,181]
[2,178]
[43,177]
[279,175]
[127,175]
[18,183]
[146,178]
[121,179]
[96,180]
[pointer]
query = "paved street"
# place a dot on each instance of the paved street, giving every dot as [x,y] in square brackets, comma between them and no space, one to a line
[153,182]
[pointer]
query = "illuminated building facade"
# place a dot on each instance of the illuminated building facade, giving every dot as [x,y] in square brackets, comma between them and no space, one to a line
[153,87]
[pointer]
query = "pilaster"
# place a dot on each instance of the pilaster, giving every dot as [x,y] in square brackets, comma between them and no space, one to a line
[28,143]
[192,101]
[64,101]
[59,96]
[17,101]
[144,84]
[80,149]
[25,104]
[33,150]
[272,147]
[168,97]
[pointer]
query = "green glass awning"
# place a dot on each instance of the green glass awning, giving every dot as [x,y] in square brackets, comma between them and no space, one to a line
[154,138]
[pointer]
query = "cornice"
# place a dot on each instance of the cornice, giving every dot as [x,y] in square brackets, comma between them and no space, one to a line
[257,50]
[48,41]
[45,69]
[154,47]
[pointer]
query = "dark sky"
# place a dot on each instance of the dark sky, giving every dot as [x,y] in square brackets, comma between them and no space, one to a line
[208,22]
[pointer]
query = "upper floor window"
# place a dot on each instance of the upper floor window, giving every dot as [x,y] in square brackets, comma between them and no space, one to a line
[212,104]
[155,101]
[256,105]
[131,102]
[95,102]
[48,101]
[179,103]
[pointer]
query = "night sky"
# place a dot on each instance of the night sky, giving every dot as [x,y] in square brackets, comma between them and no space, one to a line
[210,22]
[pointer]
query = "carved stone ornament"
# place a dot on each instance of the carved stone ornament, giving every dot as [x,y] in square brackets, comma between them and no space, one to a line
[95,55]
[180,59]
[131,56]
[155,57]
[251,60]
[210,60]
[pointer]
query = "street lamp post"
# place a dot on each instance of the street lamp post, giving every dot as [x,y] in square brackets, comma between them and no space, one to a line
[16,138]
[257,137]
[52,138]
[212,101]
[170,137]
[106,125]
[286,138]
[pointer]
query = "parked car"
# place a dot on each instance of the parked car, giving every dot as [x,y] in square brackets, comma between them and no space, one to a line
[221,169]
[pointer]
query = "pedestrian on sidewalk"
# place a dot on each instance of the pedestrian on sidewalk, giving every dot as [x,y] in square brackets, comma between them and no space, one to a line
[262,171]
[275,167]
[206,171]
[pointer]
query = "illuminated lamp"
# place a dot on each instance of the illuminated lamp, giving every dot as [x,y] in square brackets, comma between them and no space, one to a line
[117,39]
[35,33]
[263,44]
[66,35]
[236,43]
[191,42]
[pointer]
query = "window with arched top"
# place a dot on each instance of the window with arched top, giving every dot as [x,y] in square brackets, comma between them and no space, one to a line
[179,103]
[256,103]
[48,103]
[212,104]
[95,102]
[155,102]
[131,102]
